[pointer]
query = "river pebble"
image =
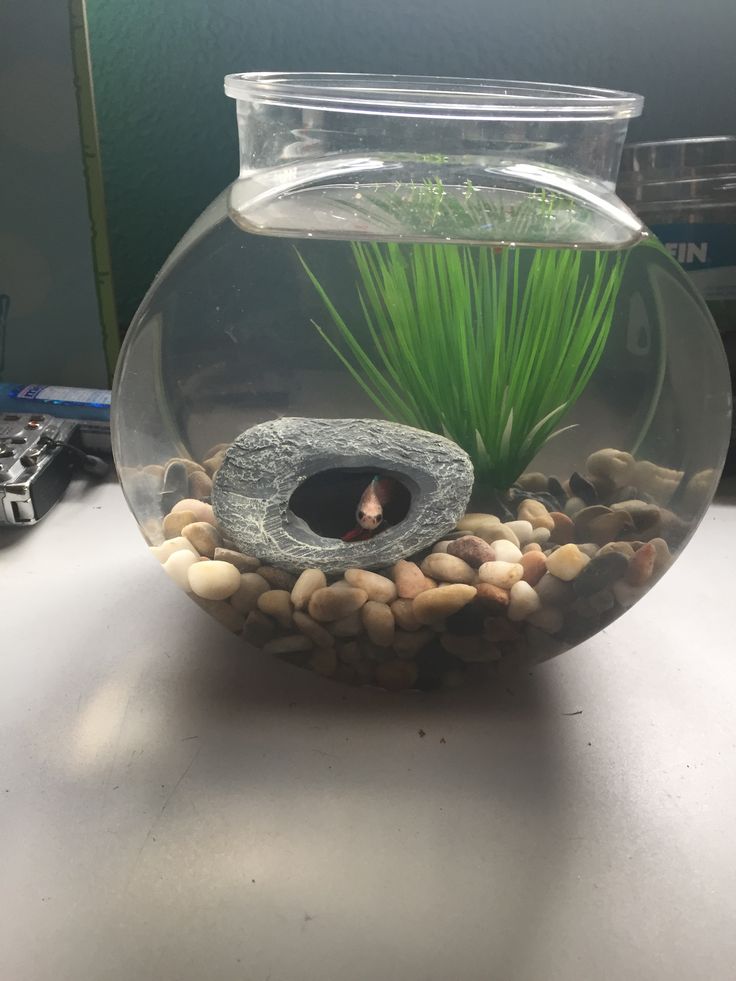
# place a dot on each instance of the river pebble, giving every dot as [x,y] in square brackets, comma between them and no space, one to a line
[503,574]
[162,552]
[506,552]
[408,644]
[567,562]
[523,602]
[470,649]
[276,603]
[200,484]
[531,547]
[448,568]
[200,509]
[409,578]
[310,628]
[277,578]
[472,519]
[306,584]
[378,623]
[243,563]
[175,523]
[472,549]
[204,537]
[495,533]
[549,619]
[330,603]
[251,586]
[573,505]
[377,588]
[600,572]
[324,662]
[436,604]
[403,611]
[492,598]
[349,626]
[214,580]
[626,594]
[258,628]
[564,530]
[291,644]
[177,567]
[641,565]
[616,465]
[534,565]
[529,509]
[396,675]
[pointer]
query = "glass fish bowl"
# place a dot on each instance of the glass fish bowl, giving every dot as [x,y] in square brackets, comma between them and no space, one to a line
[418,395]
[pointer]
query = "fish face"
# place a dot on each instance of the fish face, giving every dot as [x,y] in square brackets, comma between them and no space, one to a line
[370,520]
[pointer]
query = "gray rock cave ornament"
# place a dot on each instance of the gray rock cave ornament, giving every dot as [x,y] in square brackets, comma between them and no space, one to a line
[266,464]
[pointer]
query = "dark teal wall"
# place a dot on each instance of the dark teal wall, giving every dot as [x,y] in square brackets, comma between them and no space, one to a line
[168,133]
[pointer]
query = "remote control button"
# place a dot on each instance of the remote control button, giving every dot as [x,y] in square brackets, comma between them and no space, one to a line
[9,417]
[32,425]
[18,440]
[5,453]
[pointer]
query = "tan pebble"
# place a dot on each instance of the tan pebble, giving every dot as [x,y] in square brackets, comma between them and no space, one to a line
[277,578]
[564,530]
[276,603]
[641,565]
[549,619]
[566,562]
[176,544]
[495,533]
[291,644]
[440,547]
[664,557]
[535,482]
[378,622]
[258,628]
[590,549]
[448,568]
[330,603]
[250,588]
[200,509]
[472,549]
[626,594]
[499,630]
[373,651]
[616,465]
[396,675]
[200,484]
[408,644]
[243,563]
[175,523]
[524,601]
[349,626]
[506,552]
[522,529]
[213,463]
[217,448]
[378,588]
[699,490]
[531,547]
[541,536]
[530,509]
[659,482]
[471,649]
[544,521]
[214,580]
[305,585]
[493,598]
[154,470]
[470,521]
[403,611]
[223,612]
[324,662]
[625,548]
[534,565]
[409,578]
[436,604]
[573,505]
[204,536]
[177,566]
[609,527]
[315,631]
[503,574]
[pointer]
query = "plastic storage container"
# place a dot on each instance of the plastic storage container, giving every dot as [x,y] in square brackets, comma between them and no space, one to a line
[418,393]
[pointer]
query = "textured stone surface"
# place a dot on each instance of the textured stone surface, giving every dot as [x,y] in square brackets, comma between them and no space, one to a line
[266,464]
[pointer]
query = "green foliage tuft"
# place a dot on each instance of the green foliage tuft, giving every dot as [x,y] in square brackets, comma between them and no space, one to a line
[489,347]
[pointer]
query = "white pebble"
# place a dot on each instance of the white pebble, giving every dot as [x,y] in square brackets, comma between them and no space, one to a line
[507,551]
[177,566]
[522,529]
[214,579]
[502,574]
[523,602]
[162,552]
[541,536]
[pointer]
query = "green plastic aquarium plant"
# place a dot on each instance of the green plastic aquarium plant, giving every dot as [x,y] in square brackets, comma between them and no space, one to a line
[488,346]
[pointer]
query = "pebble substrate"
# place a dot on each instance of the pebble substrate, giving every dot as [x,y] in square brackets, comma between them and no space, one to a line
[572,558]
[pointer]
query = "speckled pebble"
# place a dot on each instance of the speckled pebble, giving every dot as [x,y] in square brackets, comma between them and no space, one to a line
[473,550]
[567,562]
[503,574]
[448,568]
[214,580]
[378,588]
[524,601]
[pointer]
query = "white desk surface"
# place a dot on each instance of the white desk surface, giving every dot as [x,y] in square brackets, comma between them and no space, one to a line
[174,807]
